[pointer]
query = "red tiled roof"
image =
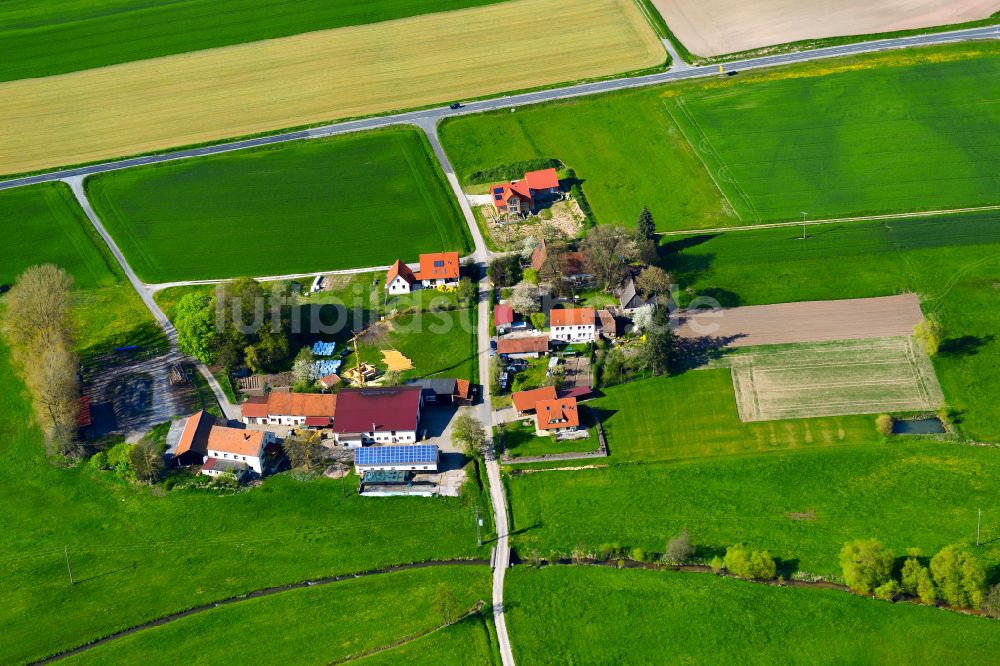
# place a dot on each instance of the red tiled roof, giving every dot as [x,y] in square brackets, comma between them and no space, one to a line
[438,266]
[463,389]
[542,180]
[502,193]
[538,256]
[235,440]
[578,392]
[396,408]
[402,270]
[330,380]
[572,317]
[317,421]
[503,314]
[526,345]
[521,187]
[83,418]
[555,414]
[292,404]
[525,401]
[195,434]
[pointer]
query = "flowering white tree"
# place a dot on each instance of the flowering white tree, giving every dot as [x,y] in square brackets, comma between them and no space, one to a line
[642,317]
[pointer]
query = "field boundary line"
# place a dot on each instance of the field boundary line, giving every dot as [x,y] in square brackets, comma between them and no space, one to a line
[833,220]
[255,594]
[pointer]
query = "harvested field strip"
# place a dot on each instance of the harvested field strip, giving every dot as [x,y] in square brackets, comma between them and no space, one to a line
[319,76]
[856,377]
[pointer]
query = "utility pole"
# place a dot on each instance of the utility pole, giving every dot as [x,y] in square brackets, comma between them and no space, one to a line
[804,214]
[979,525]
[68,567]
[479,524]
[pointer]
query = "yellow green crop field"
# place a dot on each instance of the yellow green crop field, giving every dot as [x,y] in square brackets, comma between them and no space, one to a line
[345,72]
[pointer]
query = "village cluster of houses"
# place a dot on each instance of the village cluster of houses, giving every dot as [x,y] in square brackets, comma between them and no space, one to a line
[381,417]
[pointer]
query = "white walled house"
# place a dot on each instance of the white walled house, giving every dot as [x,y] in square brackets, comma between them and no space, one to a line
[383,415]
[400,279]
[440,269]
[313,410]
[573,325]
[236,450]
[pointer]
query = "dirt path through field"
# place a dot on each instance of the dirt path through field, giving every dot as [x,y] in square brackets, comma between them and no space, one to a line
[810,321]
[716,27]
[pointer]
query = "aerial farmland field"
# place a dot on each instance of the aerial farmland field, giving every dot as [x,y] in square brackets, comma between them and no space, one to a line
[951,261]
[338,627]
[319,76]
[45,38]
[801,503]
[344,202]
[833,378]
[910,130]
[559,613]
[44,224]
[716,27]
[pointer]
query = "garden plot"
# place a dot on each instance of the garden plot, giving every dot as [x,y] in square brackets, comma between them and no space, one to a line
[833,379]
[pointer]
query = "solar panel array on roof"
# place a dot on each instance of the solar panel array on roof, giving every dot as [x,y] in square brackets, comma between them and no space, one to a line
[324,348]
[396,455]
[324,368]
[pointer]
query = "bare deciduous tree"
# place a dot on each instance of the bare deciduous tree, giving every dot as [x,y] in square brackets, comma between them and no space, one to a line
[39,301]
[608,249]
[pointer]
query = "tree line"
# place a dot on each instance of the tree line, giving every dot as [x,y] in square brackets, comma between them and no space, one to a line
[38,328]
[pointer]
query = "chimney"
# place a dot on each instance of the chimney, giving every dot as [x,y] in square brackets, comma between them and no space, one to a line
[246,437]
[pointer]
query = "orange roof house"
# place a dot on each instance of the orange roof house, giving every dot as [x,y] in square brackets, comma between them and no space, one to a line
[193,444]
[534,344]
[236,441]
[525,401]
[438,266]
[519,196]
[557,415]
[290,408]
[401,271]
[572,317]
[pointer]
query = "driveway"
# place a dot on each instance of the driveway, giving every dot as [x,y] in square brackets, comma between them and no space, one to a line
[810,321]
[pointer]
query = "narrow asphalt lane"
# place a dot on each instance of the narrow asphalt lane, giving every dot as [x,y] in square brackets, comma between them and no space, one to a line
[435,114]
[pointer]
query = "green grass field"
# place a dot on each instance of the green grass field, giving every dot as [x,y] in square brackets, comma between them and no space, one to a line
[802,504]
[520,440]
[42,39]
[697,417]
[45,225]
[902,131]
[578,615]
[344,202]
[466,643]
[440,344]
[918,134]
[953,262]
[308,626]
[623,147]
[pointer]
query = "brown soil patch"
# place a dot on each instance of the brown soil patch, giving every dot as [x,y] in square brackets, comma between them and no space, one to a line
[810,321]
[396,361]
[716,27]
[567,222]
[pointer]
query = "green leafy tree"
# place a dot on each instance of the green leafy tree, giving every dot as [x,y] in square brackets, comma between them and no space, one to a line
[926,589]
[887,591]
[884,424]
[504,270]
[929,333]
[468,434]
[717,564]
[660,343]
[654,281]
[146,460]
[530,276]
[304,453]
[910,576]
[646,227]
[467,290]
[392,378]
[537,320]
[866,564]
[194,320]
[741,561]
[960,578]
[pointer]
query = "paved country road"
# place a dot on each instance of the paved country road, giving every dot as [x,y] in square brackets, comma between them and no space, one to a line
[432,116]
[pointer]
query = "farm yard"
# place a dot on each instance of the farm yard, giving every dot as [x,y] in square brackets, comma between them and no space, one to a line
[818,143]
[832,379]
[951,261]
[344,202]
[561,612]
[717,27]
[147,105]
[43,39]
[338,627]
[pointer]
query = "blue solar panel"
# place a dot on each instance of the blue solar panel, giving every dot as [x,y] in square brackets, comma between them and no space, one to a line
[396,455]
[324,348]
